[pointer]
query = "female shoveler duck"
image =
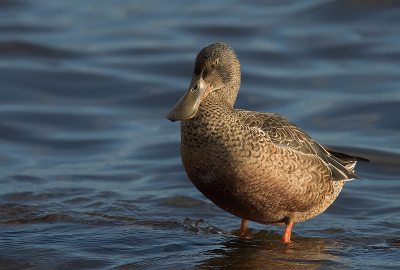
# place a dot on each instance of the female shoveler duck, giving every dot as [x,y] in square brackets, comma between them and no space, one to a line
[256,166]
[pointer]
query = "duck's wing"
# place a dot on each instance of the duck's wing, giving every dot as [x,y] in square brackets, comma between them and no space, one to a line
[283,133]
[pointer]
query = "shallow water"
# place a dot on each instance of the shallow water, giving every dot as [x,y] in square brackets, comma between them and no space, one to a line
[91,174]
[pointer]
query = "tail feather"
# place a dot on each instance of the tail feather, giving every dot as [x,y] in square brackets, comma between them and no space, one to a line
[342,165]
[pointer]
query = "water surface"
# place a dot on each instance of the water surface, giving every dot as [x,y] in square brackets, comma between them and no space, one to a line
[91,174]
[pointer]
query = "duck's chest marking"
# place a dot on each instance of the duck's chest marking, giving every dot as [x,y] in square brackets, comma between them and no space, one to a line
[215,150]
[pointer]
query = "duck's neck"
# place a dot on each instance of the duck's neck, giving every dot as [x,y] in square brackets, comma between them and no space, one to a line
[214,98]
[224,97]
[212,111]
[216,105]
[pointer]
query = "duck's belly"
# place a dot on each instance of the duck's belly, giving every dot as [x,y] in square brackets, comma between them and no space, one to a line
[260,202]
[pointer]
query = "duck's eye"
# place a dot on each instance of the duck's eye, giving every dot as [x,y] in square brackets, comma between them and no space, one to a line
[194,89]
[216,62]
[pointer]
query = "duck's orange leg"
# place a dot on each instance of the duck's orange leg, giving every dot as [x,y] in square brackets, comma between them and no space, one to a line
[288,232]
[243,229]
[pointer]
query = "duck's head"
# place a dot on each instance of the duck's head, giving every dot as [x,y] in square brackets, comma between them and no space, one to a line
[216,71]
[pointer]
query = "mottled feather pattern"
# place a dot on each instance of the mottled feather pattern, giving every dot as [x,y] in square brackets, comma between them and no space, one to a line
[257,166]
[254,168]
[284,133]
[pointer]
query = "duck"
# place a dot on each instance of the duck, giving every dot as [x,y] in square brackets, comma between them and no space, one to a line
[257,166]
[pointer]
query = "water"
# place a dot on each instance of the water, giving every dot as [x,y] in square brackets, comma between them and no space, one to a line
[91,176]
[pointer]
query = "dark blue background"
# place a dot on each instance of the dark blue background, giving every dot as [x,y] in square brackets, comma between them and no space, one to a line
[91,175]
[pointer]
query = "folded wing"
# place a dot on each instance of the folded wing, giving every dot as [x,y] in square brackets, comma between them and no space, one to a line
[283,133]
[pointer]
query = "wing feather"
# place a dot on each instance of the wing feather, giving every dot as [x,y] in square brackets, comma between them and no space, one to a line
[283,133]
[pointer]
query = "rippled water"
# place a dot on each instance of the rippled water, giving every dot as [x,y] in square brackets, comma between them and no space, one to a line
[91,176]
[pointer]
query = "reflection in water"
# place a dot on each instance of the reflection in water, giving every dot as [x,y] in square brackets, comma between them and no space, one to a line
[311,253]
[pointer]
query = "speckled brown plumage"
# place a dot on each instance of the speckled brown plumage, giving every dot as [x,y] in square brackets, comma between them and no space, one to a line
[257,166]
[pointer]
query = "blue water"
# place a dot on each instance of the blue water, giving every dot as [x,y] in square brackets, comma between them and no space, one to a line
[91,176]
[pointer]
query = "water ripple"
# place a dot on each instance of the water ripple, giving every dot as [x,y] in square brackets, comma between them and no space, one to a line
[91,170]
